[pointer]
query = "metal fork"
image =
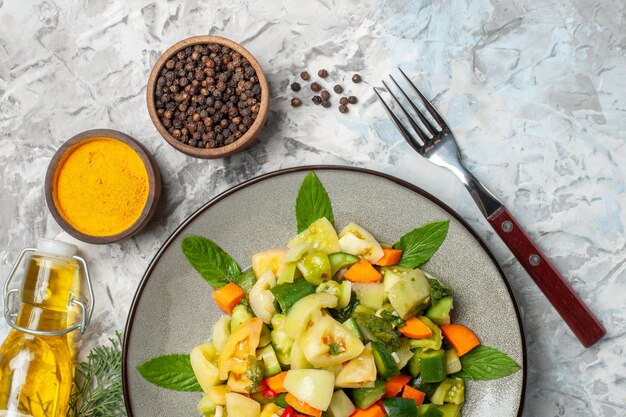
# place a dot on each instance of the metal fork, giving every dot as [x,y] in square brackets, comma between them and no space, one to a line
[434,141]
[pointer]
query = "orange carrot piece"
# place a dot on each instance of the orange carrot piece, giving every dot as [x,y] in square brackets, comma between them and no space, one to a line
[362,271]
[413,394]
[416,329]
[395,385]
[228,297]
[301,406]
[460,337]
[374,410]
[276,382]
[390,257]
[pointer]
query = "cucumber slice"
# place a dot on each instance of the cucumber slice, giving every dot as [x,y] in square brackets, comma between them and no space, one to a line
[450,391]
[340,260]
[364,397]
[385,363]
[400,407]
[353,327]
[271,366]
[266,336]
[238,317]
[415,364]
[340,405]
[433,368]
[289,293]
[221,331]
[440,313]
[453,363]
[428,410]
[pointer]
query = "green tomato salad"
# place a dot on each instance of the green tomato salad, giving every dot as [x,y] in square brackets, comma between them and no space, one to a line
[336,324]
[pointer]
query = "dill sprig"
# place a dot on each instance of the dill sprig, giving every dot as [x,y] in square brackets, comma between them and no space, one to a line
[98,383]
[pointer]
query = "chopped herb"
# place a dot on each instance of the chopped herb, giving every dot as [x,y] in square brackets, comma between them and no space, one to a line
[343,314]
[392,318]
[377,328]
[438,290]
[334,349]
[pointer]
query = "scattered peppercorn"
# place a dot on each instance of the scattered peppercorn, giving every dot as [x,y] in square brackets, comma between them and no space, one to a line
[305,75]
[338,89]
[325,95]
[316,99]
[207,96]
[322,73]
[352,100]
[295,86]
[343,101]
[325,103]
[296,102]
[316,87]
[343,108]
[356,78]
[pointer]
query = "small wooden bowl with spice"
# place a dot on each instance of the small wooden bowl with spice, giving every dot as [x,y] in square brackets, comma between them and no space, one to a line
[102,186]
[208,96]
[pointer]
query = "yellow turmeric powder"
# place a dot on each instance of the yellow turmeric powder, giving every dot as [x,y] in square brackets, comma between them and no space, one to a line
[101,187]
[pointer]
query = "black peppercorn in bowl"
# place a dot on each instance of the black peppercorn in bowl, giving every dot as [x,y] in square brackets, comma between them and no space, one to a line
[208,96]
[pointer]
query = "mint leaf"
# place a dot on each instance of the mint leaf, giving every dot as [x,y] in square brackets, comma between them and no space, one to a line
[247,280]
[213,264]
[171,372]
[484,363]
[421,243]
[312,203]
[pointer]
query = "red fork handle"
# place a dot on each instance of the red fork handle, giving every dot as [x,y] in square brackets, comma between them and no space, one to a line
[569,305]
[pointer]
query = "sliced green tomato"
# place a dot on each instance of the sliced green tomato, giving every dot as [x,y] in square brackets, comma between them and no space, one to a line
[281,343]
[221,331]
[355,240]
[365,397]
[407,289]
[428,410]
[343,291]
[241,406]
[218,394]
[297,358]
[450,391]
[297,252]
[371,295]
[320,235]
[266,336]
[358,371]
[364,310]
[315,268]
[289,293]
[271,410]
[400,407]
[433,342]
[261,298]
[385,363]
[329,343]
[206,406]
[267,356]
[312,386]
[288,273]
[239,383]
[203,359]
[340,405]
[269,260]
[440,312]
[453,363]
[239,316]
[449,410]
[306,311]
[340,260]
[240,346]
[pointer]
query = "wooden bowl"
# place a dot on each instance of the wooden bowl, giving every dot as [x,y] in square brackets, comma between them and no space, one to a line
[154,185]
[223,151]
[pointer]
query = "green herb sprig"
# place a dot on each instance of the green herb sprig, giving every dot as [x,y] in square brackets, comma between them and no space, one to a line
[98,383]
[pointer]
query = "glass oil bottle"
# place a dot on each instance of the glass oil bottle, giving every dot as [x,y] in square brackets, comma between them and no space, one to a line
[37,357]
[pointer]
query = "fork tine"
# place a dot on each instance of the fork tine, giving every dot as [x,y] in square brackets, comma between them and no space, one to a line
[403,130]
[431,109]
[417,111]
[414,125]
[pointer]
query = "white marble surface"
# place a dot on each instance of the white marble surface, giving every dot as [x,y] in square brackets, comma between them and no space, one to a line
[534,90]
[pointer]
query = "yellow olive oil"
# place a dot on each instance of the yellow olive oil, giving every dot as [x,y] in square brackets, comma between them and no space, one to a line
[36,372]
